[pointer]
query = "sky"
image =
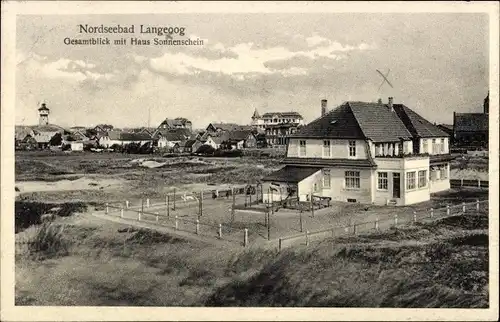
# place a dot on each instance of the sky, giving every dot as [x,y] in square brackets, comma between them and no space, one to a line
[436,62]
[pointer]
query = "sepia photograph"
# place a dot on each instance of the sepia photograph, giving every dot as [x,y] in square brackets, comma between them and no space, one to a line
[184,157]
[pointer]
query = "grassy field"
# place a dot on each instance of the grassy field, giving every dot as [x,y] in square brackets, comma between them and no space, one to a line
[80,259]
[440,264]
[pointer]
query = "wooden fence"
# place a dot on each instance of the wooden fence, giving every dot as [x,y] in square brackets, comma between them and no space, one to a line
[378,225]
[456,183]
[165,219]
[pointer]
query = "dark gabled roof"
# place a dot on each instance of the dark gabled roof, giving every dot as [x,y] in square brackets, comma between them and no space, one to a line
[135,136]
[177,122]
[344,126]
[225,126]
[282,114]
[173,134]
[360,163]
[239,135]
[445,127]
[189,143]
[378,123]
[127,136]
[470,122]
[22,131]
[291,174]
[374,121]
[416,124]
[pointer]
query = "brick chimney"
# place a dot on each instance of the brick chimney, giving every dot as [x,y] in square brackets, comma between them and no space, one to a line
[379,101]
[391,100]
[323,107]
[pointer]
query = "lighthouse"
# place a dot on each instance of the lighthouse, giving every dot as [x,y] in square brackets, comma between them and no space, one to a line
[43,112]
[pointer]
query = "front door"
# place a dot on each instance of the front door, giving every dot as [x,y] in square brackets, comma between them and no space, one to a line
[396,185]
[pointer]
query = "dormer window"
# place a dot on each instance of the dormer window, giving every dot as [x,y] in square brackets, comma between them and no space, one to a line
[326,148]
[352,148]
[302,148]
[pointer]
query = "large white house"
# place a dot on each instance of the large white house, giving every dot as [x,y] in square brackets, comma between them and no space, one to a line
[369,153]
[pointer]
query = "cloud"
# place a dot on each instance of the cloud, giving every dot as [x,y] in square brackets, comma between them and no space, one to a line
[246,58]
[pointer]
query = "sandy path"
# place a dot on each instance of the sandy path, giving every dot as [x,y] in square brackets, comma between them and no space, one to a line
[65,185]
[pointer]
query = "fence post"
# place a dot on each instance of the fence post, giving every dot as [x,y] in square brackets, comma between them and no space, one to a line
[479,183]
[157,215]
[197,226]
[463,207]
[268,227]
[354,229]
[279,245]
[201,204]
[139,216]
[166,200]
[376,224]
[447,210]
[301,224]
[176,223]
[333,232]
[461,182]
[121,213]
[126,204]
[107,208]
[220,230]
[147,203]
[477,204]
[414,216]
[245,239]
[312,205]
[432,212]
[174,200]
[168,206]
[395,220]
[307,237]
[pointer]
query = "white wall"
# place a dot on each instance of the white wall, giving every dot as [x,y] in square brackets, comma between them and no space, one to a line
[417,194]
[338,190]
[444,141]
[441,184]
[77,146]
[391,166]
[339,149]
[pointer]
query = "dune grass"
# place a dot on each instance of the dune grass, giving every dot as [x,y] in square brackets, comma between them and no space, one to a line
[438,264]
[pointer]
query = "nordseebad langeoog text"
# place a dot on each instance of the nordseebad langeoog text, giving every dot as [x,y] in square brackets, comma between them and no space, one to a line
[143,29]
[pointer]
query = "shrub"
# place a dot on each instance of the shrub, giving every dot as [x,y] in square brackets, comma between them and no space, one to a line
[48,241]
[116,147]
[206,150]
[228,153]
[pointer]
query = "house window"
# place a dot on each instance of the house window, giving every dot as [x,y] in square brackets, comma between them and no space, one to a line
[352,148]
[302,147]
[400,148]
[442,145]
[326,178]
[425,146]
[382,181]
[434,147]
[352,180]
[443,173]
[422,178]
[326,148]
[410,180]
[434,174]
